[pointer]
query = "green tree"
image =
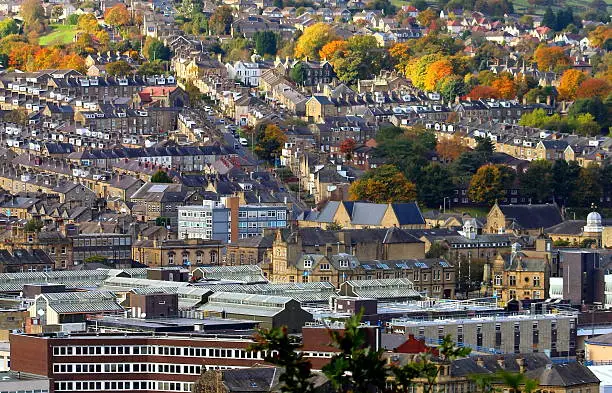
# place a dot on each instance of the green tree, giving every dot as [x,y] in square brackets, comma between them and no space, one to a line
[549,18]
[297,74]
[157,67]
[435,185]
[194,94]
[536,181]
[594,106]
[564,177]
[588,189]
[297,374]
[388,133]
[154,50]
[487,185]
[451,87]
[161,177]
[357,367]
[72,19]
[33,225]
[8,26]
[265,43]
[361,60]
[437,250]
[484,146]
[384,5]
[384,184]
[96,259]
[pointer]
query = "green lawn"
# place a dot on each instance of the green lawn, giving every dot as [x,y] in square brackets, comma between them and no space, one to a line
[60,35]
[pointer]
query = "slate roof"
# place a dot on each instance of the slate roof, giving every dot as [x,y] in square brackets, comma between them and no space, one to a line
[261,379]
[408,213]
[532,216]
[568,374]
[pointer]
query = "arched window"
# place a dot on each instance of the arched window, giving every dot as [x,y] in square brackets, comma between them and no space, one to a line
[214,257]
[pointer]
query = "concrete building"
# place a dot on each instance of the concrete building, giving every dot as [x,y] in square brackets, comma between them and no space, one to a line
[229,220]
[551,333]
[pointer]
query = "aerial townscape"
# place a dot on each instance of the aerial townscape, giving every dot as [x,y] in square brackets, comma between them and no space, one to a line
[305,196]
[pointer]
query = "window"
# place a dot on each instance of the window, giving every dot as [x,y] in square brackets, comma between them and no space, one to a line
[512,281]
[324,266]
[307,263]
[536,281]
[498,280]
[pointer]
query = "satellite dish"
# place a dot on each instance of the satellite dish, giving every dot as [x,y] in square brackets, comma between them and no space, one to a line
[41,312]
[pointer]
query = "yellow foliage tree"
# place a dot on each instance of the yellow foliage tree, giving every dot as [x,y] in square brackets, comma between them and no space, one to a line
[385,184]
[88,23]
[436,71]
[313,39]
[569,82]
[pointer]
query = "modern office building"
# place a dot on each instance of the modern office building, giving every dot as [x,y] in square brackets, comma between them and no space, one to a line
[228,220]
[139,362]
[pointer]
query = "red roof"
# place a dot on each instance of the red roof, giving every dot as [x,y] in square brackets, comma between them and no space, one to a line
[158,91]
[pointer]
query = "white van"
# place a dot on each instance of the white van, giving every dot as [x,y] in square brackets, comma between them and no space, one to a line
[244,142]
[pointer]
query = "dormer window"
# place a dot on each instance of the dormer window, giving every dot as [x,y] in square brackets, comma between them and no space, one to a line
[307,263]
[344,263]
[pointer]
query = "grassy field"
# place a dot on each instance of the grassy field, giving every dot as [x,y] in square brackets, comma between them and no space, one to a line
[472,211]
[60,35]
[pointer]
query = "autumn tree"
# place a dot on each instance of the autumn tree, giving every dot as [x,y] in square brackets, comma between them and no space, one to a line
[550,58]
[313,39]
[221,20]
[347,146]
[600,35]
[118,68]
[332,48]
[117,16]
[33,15]
[436,71]
[57,11]
[450,149]
[269,142]
[569,82]
[594,87]
[17,116]
[384,184]
[481,91]
[451,87]
[505,86]
[88,23]
[426,17]
[488,185]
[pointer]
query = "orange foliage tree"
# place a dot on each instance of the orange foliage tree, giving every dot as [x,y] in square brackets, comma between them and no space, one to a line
[505,86]
[480,91]
[569,82]
[549,58]
[33,58]
[436,71]
[451,149]
[332,48]
[117,15]
[593,87]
